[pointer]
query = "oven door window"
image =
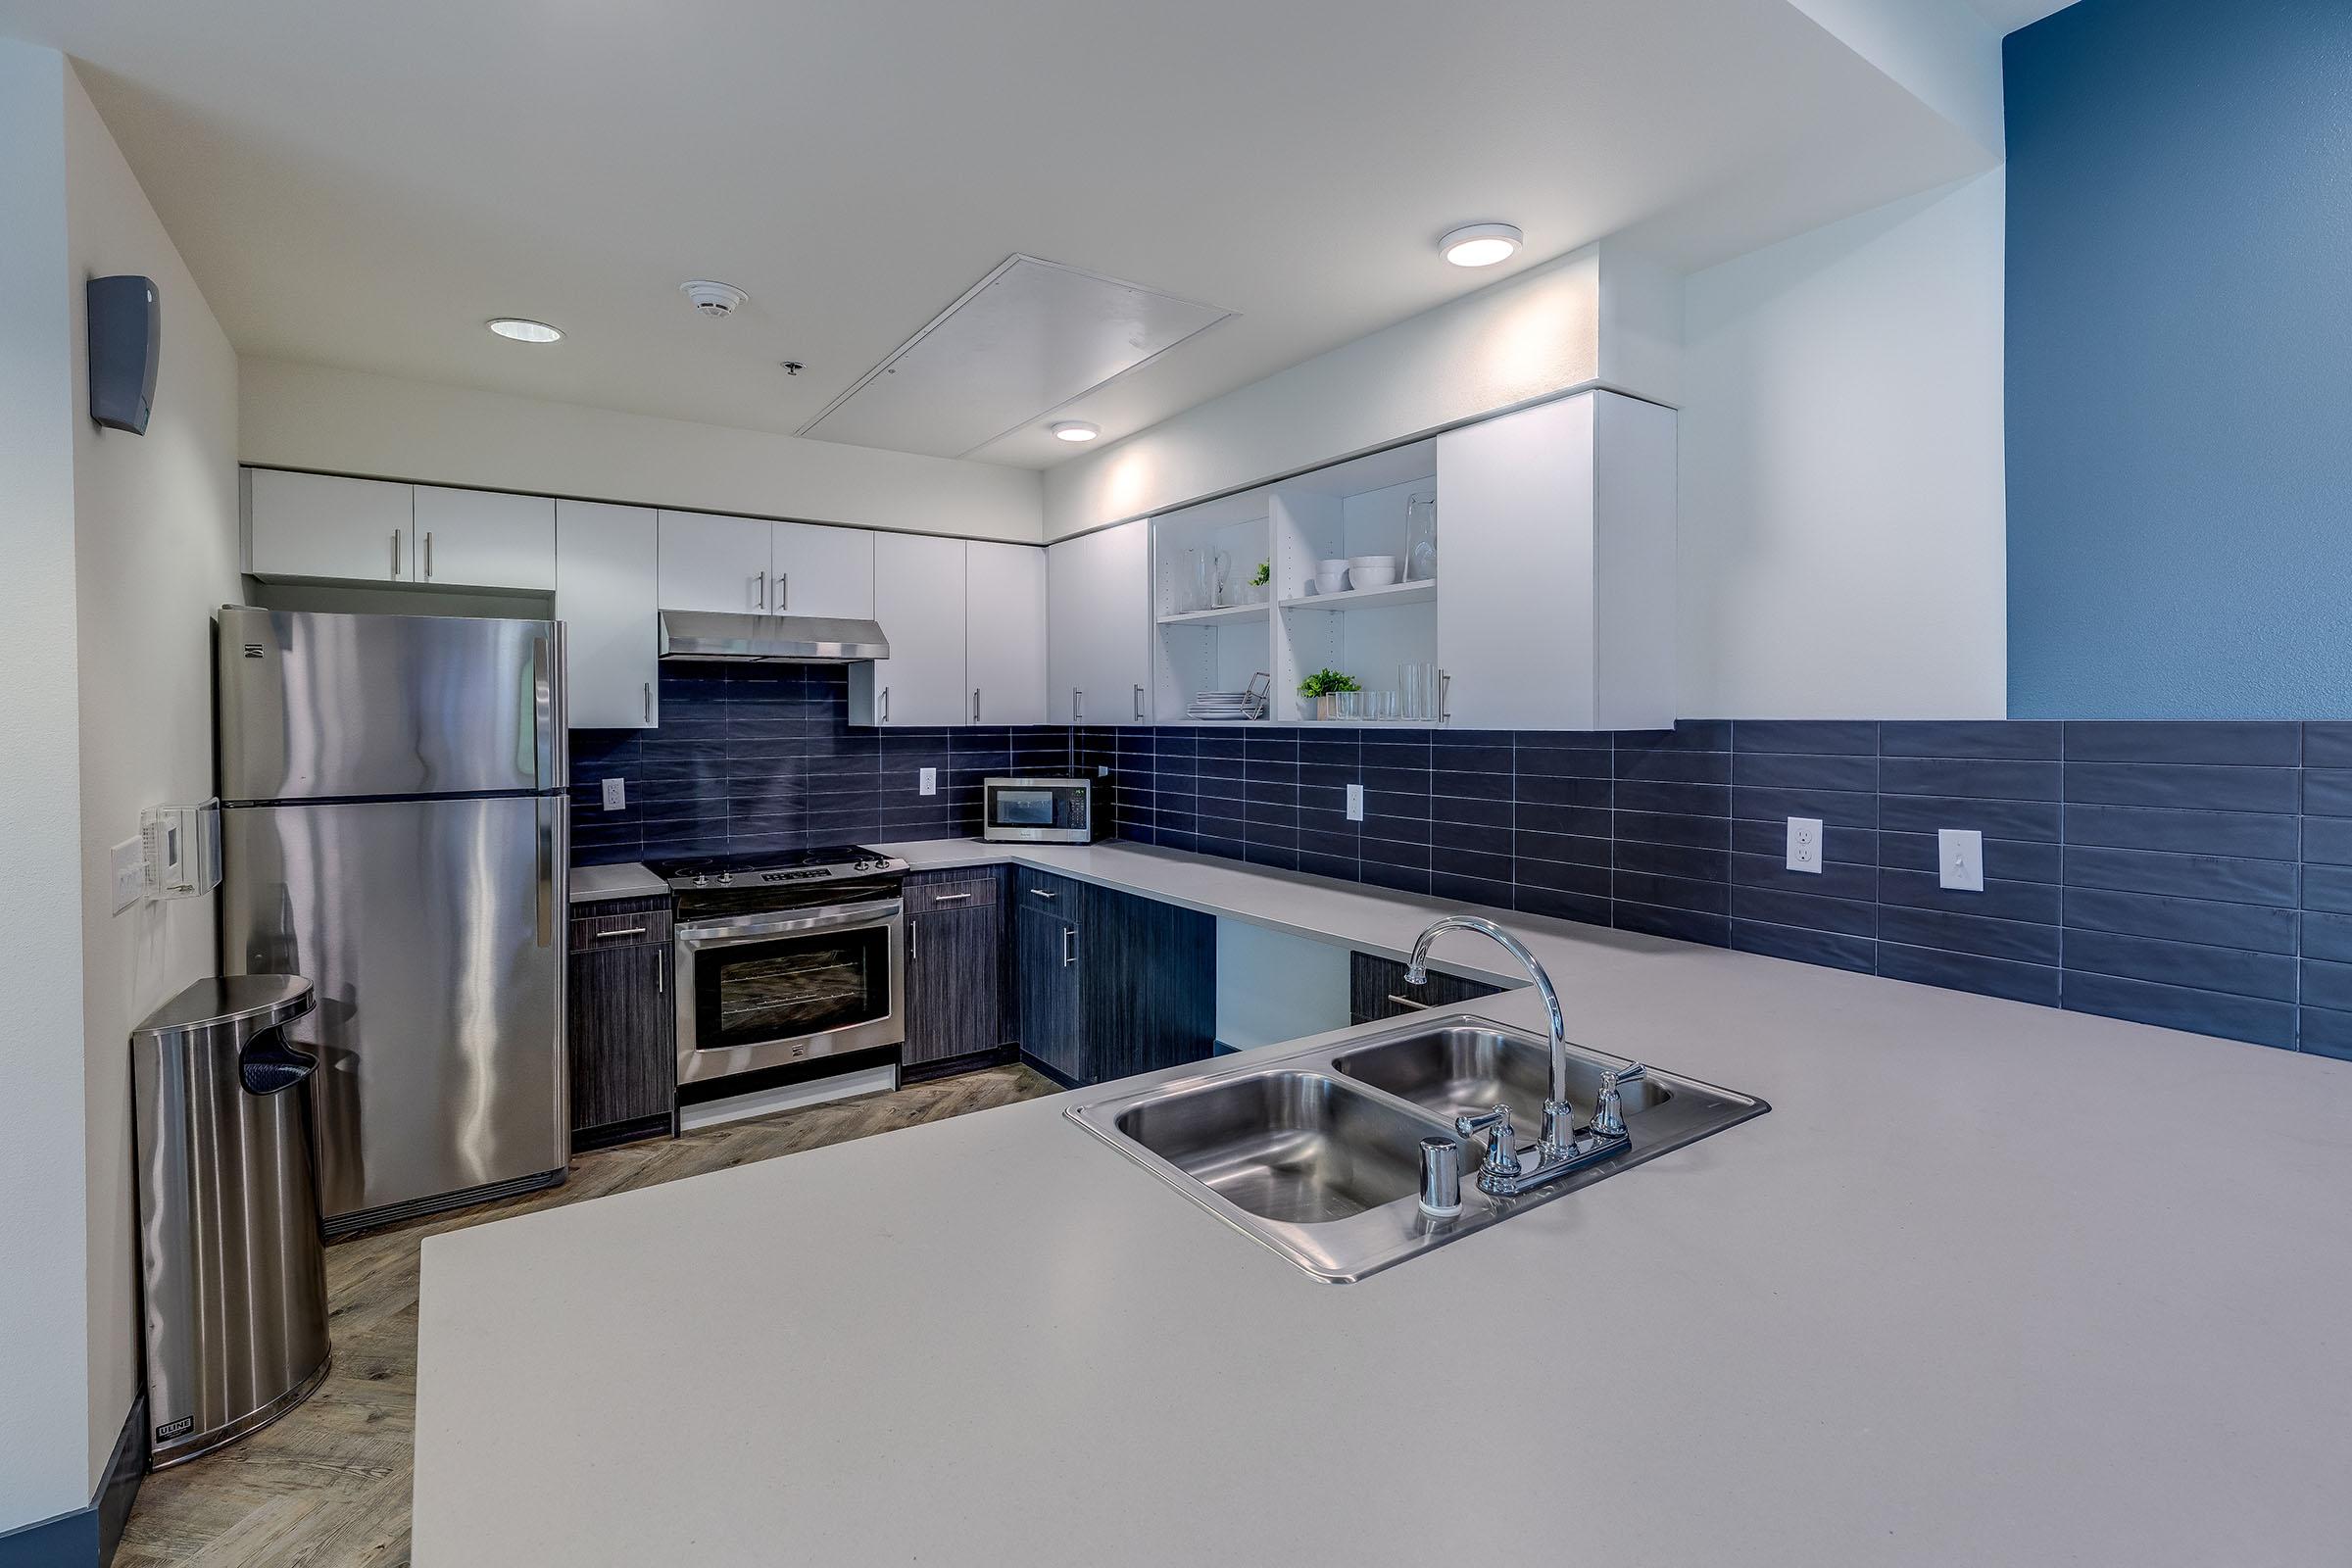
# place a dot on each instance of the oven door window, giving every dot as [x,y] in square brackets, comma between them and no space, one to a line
[784,987]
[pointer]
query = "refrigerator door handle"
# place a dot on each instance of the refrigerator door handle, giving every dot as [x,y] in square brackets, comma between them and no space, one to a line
[547,718]
[550,814]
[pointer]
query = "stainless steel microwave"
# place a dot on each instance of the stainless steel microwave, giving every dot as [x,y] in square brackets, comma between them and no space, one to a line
[1040,810]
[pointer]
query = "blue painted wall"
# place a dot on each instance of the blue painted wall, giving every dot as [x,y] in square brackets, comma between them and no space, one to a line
[2180,360]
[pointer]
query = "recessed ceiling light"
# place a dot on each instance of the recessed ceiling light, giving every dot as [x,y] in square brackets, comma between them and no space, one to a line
[1075,429]
[522,331]
[1480,244]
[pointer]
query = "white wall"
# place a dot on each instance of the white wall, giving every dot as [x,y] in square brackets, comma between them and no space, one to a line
[1526,337]
[155,542]
[347,421]
[1272,986]
[44,1389]
[1843,520]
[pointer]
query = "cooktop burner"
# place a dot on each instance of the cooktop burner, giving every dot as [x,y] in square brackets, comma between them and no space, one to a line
[826,862]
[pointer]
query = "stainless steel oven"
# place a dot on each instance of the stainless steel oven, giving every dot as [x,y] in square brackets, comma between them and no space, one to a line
[780,965]
[1040,810]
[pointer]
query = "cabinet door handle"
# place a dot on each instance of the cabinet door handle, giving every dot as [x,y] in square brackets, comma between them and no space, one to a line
[1445,692]
[660,971]
[625,931]
[1043,894]
[1139,704]
[948,898]
[1408,1002]
[885,705]
[1076,712]
[758,586]
[649,702]
[975,705]
[428,553]
[396,555]
[912,927]
[1069,946]
[783,592]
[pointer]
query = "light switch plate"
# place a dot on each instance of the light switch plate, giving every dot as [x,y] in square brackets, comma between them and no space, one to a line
[926,782]
[1960,858]
[617,795]
[1805,844]
[128,861]
[1356,803]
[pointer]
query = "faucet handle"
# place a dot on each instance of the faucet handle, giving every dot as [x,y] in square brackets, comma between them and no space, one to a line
[1502,1141]
[1608,1117]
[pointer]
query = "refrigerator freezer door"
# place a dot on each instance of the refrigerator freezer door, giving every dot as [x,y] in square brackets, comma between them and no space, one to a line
[319,707]
[433,932]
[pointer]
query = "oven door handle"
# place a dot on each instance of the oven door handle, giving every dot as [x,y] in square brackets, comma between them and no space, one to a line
[696,935]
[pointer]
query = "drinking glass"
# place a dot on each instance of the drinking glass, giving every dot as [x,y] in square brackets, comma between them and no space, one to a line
[1384,707]
[1420,538]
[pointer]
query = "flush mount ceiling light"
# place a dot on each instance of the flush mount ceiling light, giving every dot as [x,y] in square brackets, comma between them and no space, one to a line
[1480,244]
[524,331]
[714,299]
[1075,429]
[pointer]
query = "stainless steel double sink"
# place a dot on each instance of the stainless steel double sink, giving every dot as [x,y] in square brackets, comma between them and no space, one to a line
[1316,1153]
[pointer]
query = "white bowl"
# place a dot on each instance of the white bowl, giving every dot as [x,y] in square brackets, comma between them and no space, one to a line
[1331,583]
[1330,567]
[1374,561]
[1372,577]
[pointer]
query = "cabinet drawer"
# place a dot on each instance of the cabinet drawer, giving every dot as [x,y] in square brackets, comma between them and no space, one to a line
[1376,989]
[645,924]
[964,892]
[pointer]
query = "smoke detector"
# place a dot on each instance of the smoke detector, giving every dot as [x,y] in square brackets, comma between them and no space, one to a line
[714,299]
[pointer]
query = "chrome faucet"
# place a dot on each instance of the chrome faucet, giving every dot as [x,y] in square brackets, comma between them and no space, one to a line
[1558,1150]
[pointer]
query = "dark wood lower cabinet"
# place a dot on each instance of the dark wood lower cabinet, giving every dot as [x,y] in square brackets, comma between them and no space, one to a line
[1376,989]
[1110,984]
[955,968]
[620,1023]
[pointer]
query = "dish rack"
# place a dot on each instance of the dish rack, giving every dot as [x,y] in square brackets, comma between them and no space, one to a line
[1227,708]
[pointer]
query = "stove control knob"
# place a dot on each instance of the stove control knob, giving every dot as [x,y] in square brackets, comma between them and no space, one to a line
[726,878]
[700,881]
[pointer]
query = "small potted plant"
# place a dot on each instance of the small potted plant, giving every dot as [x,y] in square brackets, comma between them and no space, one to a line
[1325,686]
[1259,583]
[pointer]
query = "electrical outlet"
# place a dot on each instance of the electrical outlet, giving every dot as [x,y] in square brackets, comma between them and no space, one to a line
[1805,844]
[617,795]
[1960,858]
[128,861]
[926,782]
[1356,803]
[1101,773]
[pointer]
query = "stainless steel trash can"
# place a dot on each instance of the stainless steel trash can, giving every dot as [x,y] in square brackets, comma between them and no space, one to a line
[235,1275]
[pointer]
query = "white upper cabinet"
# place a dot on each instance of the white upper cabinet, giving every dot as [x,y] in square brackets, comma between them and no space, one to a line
[484,539]
[1556,580]
[605,573]
[1098,627]
[712,562]
[1005,633]
[918,601]
[817,571]
[313,526]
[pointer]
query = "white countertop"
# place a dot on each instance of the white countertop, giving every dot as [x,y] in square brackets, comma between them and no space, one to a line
[591,884]
[1991,1283]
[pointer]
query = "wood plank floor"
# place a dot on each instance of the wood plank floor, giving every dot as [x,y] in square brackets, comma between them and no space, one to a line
[328,1485]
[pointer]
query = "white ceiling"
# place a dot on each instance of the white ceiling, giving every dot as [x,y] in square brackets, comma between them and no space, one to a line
[2010,15]
[362,185]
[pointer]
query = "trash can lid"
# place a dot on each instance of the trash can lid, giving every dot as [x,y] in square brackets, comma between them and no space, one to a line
[256,1000]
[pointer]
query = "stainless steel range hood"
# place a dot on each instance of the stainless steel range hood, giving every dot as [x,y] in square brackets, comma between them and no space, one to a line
[717,635]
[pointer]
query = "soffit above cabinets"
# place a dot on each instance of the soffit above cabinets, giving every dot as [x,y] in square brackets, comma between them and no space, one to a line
[1029,338]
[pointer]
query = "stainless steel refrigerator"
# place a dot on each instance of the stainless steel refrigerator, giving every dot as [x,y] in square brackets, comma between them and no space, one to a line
[393,828]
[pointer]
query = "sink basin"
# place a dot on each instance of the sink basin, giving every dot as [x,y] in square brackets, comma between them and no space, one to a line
[1472,1067]
[1300,1147]
[1316,1152]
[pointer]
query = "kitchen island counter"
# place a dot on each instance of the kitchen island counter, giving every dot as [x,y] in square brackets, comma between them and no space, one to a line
[1990,1284]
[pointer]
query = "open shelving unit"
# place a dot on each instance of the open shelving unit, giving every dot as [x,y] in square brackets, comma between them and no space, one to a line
[1349,509]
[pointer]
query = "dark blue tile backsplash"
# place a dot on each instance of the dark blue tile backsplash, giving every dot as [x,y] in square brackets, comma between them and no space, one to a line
[2191,874]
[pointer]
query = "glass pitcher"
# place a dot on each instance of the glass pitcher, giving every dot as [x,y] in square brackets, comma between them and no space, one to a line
[1420,538]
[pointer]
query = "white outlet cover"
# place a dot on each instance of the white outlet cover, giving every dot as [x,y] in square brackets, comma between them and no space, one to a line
[927,781]
[617,795]
[1805,844]
[127,863]
[1960,858]
[1356,803]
